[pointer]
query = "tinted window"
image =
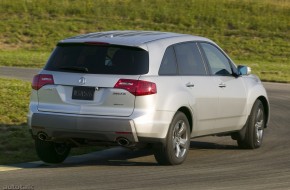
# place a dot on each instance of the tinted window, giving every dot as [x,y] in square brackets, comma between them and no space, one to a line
[168,64]
[218,62]
[189,59]
[96,59]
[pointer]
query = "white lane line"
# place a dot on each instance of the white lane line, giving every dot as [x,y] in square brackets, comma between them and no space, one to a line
[4,168]
[8,168]
[70,160]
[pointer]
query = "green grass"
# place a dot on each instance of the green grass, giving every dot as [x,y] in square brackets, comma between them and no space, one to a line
[14,99]
[269,71]
[251,31]
[16,144]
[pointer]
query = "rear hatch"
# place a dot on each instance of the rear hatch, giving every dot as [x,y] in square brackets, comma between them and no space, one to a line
[91,79]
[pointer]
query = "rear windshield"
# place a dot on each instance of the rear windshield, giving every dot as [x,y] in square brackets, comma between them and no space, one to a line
[98,59]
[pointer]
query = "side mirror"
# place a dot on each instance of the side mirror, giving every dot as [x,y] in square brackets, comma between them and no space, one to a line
[244,70]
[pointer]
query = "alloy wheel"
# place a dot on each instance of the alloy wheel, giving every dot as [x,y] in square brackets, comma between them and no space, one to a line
[180,139]
[259,129]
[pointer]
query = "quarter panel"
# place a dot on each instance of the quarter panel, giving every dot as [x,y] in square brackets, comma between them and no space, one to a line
[171,94]
[161,107]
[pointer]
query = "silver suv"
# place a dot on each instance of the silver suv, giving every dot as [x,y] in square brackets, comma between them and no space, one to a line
[137,88]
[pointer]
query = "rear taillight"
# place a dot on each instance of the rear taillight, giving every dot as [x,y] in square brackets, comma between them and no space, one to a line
[137,87]
[41,80]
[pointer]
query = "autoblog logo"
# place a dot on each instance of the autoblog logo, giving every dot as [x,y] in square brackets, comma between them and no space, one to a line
[18,187]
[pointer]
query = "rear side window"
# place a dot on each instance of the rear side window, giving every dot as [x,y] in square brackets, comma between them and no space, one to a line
[168,64]
[189,59]
[98,59]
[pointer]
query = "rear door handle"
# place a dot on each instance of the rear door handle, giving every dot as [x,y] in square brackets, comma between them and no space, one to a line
[222,85]
[189,84]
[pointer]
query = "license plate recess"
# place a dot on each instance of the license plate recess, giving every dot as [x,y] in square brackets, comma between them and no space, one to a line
[83,93]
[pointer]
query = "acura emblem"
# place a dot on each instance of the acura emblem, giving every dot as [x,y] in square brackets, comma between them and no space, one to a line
[82,81]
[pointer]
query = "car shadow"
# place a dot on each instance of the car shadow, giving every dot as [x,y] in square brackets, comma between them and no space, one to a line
[116,156]
[119,156]
[211,145]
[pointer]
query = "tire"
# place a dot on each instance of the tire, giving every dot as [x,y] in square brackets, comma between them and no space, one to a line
[254,129]
[51,152]
[176,148]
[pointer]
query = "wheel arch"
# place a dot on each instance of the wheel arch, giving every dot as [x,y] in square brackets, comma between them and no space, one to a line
[188,114]
[256,91]
[266,108]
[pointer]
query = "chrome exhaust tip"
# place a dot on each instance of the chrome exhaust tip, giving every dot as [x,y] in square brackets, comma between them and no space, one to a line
[42,136]
[123,141]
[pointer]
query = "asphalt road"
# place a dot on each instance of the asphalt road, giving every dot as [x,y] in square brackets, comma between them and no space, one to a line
[212,163]
[18,73]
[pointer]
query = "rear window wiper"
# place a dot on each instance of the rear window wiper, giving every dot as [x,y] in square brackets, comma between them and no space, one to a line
[75,68]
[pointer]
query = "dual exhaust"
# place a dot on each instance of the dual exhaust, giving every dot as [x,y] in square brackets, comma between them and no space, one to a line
[122,141]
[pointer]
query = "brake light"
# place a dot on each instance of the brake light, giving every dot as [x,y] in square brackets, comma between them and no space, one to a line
[40,80]
[97,43]
[137,87]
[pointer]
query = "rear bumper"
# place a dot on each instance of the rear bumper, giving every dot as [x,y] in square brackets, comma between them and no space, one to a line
[62,126]
[140,127]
